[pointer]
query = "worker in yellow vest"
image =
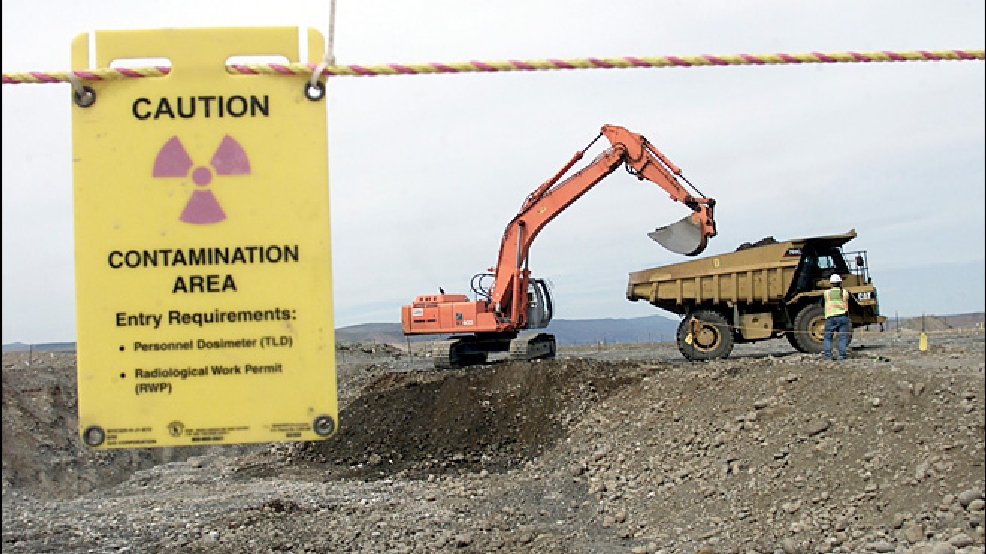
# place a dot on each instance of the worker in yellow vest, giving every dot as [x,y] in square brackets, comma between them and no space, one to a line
[836,317]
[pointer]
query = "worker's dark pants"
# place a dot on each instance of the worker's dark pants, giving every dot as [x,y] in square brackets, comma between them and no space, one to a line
[836,324]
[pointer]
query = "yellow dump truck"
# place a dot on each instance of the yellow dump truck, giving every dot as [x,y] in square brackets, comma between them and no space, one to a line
[763,290]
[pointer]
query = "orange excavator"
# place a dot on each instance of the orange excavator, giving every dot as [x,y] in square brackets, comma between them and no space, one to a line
[509,300]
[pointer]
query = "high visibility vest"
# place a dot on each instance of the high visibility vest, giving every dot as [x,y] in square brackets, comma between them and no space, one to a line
[836,301]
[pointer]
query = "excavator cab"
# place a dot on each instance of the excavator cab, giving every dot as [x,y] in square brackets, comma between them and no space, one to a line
[539,305]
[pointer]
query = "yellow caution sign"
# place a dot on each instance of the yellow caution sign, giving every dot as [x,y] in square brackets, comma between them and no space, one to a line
[202,247]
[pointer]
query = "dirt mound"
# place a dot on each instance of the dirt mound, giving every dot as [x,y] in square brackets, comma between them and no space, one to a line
[762,242]
[42,452]
[368,348]
[810,448]
[492,417]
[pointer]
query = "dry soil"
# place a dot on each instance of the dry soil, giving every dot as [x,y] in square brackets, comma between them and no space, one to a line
[606,449]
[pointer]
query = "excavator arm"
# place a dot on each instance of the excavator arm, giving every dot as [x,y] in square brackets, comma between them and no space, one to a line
[688,236]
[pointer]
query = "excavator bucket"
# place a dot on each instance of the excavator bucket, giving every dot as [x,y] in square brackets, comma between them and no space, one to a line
[684,237]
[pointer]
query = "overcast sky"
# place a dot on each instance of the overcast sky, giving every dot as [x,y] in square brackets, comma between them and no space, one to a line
[425,171]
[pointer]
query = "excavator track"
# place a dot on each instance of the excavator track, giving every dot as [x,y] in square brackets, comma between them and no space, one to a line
[532,346]
[457,352]
[441,354]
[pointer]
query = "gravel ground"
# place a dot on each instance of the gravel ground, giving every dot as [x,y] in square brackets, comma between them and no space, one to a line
[606,449]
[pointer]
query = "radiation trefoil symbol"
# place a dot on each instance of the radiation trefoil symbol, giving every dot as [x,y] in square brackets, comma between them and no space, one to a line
[202,207]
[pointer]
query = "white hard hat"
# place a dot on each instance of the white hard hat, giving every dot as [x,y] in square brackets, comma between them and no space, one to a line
[835,279]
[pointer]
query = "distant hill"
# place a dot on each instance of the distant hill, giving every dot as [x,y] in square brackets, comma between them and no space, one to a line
[383,333]
[46,347]
[931,322]
[567,331]
[653,328]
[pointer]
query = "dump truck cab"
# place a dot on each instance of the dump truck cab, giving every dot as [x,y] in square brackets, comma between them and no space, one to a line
[763,290]
[820,258]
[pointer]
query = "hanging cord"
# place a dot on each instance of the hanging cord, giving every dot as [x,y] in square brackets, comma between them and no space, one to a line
[76,84]
[82,95]
[329,58]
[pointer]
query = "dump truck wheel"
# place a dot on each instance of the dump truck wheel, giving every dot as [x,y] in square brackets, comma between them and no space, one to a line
[793,339]
[809,329]
[708,338]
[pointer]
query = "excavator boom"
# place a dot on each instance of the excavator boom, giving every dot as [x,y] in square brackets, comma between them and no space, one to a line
[688,236]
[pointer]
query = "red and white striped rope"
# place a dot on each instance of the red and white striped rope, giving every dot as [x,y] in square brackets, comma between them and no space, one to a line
[354,70]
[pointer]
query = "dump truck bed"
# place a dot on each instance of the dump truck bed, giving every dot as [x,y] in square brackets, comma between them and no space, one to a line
[750,275]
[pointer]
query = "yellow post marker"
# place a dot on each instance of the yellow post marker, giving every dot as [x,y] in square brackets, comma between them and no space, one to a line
[202,246]
[923,338]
